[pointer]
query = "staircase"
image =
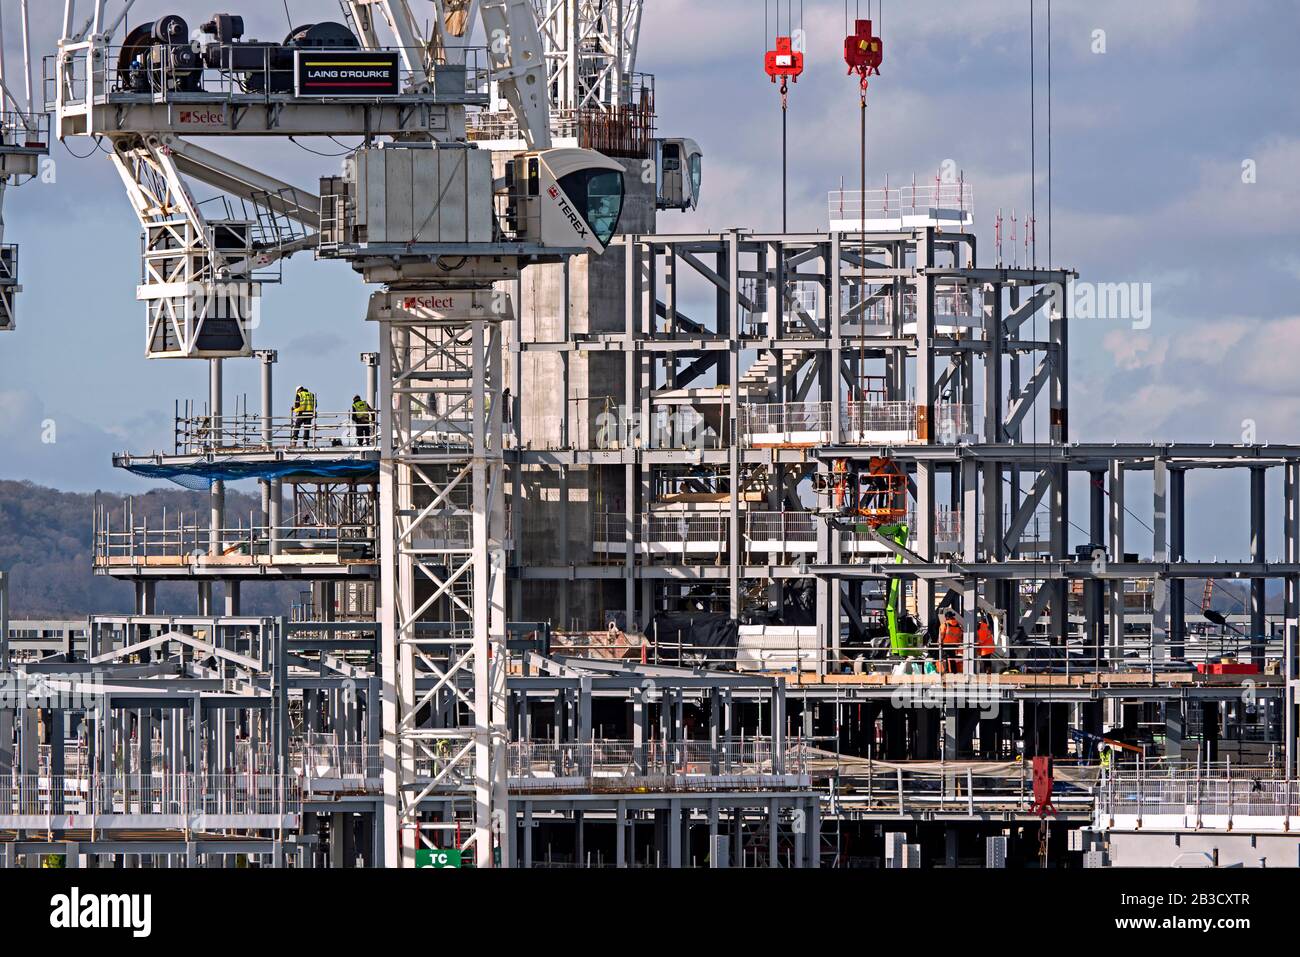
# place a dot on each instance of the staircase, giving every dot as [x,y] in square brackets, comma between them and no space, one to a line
[757,382]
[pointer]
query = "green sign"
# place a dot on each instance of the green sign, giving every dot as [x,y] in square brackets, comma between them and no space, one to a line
[425,857]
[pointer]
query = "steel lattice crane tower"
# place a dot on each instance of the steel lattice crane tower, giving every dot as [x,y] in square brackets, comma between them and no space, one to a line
[591,50]
[24,139]
[418,212]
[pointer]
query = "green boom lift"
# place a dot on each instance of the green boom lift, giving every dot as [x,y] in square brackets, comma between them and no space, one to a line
[902,643]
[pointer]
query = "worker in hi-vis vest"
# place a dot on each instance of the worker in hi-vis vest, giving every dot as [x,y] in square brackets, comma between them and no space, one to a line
[950,641]
[304,414]
[984,646]
[363,419]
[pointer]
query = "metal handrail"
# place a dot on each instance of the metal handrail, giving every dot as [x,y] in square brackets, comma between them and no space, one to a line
[89,71]
[848,203]
[197,435]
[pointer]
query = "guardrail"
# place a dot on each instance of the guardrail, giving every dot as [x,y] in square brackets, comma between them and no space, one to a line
[786,650]
[1211,797]
[954,788]
[88,72]
[769,424]
[627,759]
[178,797]
[193,542]
[899,201]
[323,759]
[25,131]
[199,435]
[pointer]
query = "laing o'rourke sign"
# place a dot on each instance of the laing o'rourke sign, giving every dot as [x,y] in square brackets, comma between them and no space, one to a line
[348,73]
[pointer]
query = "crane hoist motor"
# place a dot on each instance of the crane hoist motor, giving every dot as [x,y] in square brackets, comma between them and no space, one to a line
[164,56]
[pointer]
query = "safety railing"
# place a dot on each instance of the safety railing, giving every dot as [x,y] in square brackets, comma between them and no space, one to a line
[627,760]
[163,795]
[25,131]
[785,423]
[1012,655]
[785,529]
[201,434]
[961,788]
[321,758]
[770,424]
[1211,796]
[623,130]
[763,531]
[88,72]
[182,542]
[891,418]
[8,264]
[665,534]
[848,204]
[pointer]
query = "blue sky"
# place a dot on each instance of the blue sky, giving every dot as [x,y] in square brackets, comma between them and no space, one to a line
[1149,139]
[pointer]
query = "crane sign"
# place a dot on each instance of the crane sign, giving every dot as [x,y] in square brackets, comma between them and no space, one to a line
[863,53]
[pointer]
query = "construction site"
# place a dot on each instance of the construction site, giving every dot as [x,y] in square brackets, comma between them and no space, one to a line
[638,547]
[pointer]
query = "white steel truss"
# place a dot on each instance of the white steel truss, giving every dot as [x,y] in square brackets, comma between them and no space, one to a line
[591,48]
[442,605]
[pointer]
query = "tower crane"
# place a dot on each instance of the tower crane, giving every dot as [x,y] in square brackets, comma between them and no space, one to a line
[439,225]
[24,139]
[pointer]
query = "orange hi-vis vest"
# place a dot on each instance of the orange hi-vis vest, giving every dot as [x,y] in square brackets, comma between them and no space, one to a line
[984,639]
[951,633]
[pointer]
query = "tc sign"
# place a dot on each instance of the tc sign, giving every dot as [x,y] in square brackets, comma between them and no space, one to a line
[425,857]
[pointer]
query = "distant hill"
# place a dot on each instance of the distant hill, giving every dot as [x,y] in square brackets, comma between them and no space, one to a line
[45,547]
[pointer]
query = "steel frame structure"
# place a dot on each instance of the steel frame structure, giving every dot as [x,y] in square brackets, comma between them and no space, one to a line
[697,306]
[836,322]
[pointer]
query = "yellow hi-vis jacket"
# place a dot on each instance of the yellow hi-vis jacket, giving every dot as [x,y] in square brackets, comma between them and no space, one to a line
[304,402]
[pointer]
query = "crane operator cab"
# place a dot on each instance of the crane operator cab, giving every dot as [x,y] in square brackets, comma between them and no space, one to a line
[564,198]
[681,170]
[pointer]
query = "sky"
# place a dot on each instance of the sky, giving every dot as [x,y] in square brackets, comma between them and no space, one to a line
[1175,143]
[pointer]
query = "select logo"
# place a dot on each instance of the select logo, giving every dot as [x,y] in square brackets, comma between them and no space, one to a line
[429,302]
[203,117]
[78,911]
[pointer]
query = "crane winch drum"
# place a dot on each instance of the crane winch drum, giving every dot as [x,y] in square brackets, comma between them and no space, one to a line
[163,56]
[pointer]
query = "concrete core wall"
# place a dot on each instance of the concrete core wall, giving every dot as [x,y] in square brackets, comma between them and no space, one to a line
[558,513]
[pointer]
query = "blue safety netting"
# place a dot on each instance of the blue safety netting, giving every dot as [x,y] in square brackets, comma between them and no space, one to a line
[198,477]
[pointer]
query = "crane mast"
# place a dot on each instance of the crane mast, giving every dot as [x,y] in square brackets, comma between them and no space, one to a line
[437,249]
[24,141]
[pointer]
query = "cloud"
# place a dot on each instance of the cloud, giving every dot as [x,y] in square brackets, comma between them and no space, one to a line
[1133,349]
[55,447]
